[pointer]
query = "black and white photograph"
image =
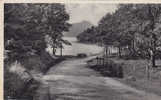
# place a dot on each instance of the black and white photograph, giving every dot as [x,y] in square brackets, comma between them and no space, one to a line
[82,51]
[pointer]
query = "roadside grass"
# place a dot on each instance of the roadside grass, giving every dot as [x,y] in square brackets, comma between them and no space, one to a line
[17,87]
[106,67]
[136,69]
[134,73]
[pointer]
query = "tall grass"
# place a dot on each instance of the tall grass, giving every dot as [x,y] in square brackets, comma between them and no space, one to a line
[18,81]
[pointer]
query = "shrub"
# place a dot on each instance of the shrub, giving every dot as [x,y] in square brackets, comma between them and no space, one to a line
[18,82]
[12,84]
[110,68]
[47,59]
[81,55]
[40,63]
[16,87]
[34,63]
[115,69]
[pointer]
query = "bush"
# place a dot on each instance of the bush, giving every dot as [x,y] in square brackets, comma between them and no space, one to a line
[81,55]
[12,84]
[39,63]
[34,63]
[110,68]
[47,59]
[15,86]
[115,69]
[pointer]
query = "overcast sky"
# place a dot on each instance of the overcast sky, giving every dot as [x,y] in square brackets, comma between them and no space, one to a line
[89,12]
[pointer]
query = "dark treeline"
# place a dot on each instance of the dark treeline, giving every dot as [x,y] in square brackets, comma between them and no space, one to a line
[136,27]
[28,29]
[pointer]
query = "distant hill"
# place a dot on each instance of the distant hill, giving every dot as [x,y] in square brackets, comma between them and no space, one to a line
[77,28]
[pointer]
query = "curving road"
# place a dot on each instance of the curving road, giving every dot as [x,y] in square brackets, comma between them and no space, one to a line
[73,80]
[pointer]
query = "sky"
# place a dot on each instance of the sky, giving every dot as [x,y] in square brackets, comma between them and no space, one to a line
[89,12]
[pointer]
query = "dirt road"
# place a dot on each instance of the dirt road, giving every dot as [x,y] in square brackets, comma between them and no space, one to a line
[73,80]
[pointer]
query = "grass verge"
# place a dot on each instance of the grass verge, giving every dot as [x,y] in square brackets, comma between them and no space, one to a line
[135,75]
[17,86]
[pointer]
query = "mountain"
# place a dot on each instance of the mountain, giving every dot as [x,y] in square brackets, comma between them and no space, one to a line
[77,28]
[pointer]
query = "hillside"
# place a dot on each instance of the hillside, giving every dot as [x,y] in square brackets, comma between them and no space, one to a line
[77,28]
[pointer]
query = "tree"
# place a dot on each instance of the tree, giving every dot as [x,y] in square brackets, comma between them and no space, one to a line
[56,21]
[27,25]
[88,35]
[149,18]
[134,26]
[21,34]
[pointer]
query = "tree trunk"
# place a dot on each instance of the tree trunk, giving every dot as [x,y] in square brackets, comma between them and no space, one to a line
[106,50]
[153,61]
[54,51]
[119,51]
[153,58]
[61,51]
[133,47]
[153,36]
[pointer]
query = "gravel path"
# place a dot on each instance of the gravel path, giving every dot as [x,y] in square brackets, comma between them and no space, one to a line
[72,80]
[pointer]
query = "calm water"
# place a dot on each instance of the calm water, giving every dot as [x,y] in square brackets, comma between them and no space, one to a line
[79,48]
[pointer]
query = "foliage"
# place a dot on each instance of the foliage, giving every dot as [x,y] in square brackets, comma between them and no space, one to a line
[56,21]
[87,35]
[26,27]
[133,26]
